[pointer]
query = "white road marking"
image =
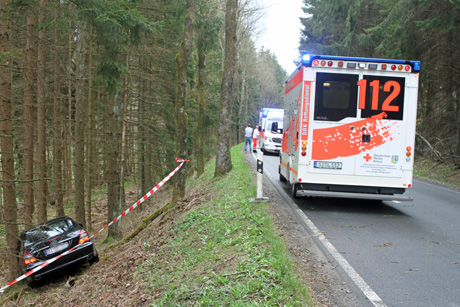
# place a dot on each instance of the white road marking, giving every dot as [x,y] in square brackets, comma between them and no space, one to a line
[358,280]
[349,270]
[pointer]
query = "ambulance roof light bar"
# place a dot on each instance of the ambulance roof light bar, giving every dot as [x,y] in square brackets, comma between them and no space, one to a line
[266,110]
[307,60]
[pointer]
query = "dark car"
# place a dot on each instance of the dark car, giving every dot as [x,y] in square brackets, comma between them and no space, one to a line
[51,239]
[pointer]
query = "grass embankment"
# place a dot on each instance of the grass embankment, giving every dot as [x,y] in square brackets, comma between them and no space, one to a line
[225,251]
[445,173]
[217,248]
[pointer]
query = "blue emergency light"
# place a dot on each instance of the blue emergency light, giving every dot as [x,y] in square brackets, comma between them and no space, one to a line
[308,59]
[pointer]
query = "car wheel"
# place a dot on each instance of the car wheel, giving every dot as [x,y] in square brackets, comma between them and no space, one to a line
[33,283]
[94,260]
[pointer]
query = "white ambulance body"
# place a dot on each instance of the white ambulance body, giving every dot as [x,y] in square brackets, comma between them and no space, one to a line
[271,123]
[350,127]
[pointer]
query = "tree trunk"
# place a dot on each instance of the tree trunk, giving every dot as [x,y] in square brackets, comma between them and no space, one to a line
[223,157]
[181,120]
[41,115]
[57,122]
[68,148]
[122,163]
[148,136]
[201,104]
[141,131]
[6,147]
[80,110]
[29,201]
[96,135]
[240,109]
[112,169]
[89,142]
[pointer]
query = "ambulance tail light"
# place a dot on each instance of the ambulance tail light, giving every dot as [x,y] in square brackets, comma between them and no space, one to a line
[304,148]
[408,153]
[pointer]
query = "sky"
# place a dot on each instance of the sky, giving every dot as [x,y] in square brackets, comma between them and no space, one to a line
[280,30]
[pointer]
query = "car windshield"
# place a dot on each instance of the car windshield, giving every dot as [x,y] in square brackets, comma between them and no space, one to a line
[278,125]
[48,230]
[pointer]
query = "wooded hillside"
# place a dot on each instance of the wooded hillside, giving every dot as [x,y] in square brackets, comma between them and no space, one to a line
[88,98]
[424,30]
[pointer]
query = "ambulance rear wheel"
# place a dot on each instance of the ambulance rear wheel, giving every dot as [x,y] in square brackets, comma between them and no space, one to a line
[282,178]
[295,188]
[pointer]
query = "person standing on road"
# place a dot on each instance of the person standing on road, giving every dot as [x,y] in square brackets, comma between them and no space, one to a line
[255,136]
[248,137]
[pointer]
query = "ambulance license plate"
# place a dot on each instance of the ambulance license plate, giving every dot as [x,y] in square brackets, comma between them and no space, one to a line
[328,165]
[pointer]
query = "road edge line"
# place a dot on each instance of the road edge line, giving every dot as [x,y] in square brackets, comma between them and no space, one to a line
[370,294]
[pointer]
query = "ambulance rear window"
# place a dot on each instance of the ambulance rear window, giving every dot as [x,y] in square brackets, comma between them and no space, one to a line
[336,96]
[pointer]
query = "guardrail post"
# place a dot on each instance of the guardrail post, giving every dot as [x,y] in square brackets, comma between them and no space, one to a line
[260,176]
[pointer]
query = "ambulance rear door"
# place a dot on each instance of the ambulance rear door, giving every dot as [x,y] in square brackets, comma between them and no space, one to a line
[358,124]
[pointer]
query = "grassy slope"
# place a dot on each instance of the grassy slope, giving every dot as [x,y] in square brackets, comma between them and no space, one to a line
[445,173]
[225,251]
[217,248]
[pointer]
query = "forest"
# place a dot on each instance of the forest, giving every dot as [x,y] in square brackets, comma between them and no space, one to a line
[90,92]
[98,93]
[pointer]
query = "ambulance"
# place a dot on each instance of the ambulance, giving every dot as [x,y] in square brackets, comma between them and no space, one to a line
[350,127]
[271,125]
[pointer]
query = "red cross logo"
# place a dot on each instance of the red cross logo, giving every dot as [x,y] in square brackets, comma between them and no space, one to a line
[367,157]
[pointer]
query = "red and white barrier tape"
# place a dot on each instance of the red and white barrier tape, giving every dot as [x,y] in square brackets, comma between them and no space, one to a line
[138,203]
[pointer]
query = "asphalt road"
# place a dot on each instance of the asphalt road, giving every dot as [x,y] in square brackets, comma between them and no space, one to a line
[408,253]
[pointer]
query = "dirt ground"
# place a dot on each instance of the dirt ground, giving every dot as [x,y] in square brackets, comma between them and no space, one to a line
[105,284]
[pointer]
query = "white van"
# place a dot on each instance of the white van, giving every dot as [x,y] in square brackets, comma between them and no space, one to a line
[271,125]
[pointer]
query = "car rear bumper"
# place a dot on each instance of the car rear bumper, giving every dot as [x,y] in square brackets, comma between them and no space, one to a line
[84,252]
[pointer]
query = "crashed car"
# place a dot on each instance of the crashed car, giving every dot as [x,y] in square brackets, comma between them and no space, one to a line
[51,239]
